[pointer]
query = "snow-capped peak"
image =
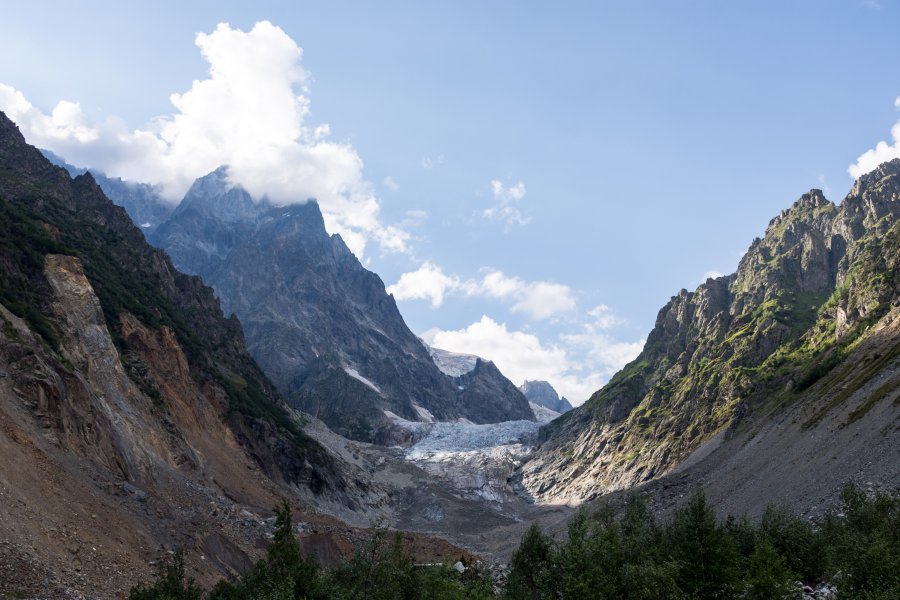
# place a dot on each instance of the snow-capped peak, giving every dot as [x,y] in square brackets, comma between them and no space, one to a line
[452,363]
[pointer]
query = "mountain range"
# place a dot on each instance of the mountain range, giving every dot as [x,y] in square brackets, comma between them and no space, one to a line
[779,382]
[134,415]
[322,327]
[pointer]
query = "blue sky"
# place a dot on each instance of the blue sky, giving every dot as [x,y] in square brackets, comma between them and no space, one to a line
[551,174]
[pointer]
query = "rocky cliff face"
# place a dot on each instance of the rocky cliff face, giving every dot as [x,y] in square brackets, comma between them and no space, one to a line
[131,415]
[321,326]
[143,202]
[727,355]
[543,394]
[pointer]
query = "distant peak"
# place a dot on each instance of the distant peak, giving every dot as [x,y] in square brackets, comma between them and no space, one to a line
[216,196]
[543,394]
[214,183]
[538,387]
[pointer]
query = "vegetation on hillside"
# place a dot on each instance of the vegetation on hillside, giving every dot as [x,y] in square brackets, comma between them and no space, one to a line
[855,550]
[382,570]
[41,213]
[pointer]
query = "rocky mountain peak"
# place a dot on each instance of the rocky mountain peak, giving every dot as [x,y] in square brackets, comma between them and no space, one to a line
[213,195]
[873,179]
[820,275]
[543,394]
[322,326]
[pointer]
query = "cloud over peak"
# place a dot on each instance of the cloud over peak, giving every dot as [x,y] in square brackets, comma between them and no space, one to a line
[882,152]
[250,114]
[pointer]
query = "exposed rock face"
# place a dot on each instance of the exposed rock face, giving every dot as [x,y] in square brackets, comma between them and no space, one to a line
[739,347]
[321,326]
[131,415]
[542,393]
[143,202]
[485,392]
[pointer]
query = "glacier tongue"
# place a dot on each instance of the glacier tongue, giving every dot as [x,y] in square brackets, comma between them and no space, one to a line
[443,438]
[544,415]
[476,460]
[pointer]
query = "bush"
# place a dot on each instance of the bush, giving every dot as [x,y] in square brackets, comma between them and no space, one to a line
[170,583]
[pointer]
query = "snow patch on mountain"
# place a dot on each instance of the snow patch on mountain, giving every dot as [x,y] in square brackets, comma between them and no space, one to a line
[452,363]
[423,413]
[355,375]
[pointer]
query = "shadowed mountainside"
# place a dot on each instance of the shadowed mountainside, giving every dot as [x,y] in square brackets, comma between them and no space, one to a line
[321,325]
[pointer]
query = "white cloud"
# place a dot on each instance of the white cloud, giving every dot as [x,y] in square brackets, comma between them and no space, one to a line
[506,209]
[429,163]
[882,152]
[577,367]
[603,318]
[428,282]
[606,354]
[250,113]
[517,354]
[540,300]
[711,274]
[897,102]
[510,194]
[390,184]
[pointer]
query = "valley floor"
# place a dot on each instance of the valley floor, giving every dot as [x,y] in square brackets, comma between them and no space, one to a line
[452,482]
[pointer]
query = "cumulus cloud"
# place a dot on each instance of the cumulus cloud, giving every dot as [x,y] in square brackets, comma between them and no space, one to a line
[577,366]
[882,152]
[428,282]
[540,300]
[517,354]
[250,113]
[606,354]
[506,199]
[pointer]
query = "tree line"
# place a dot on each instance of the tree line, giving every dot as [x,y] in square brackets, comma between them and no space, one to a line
[607,554]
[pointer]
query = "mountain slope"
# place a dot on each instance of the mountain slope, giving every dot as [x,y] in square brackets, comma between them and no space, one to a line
[321,326]
[131,415]
[786,331]
[141,201]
